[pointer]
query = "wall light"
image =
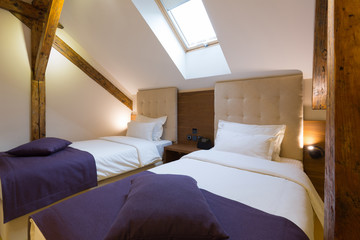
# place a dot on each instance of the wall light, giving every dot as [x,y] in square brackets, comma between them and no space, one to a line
[315,151]
[133,116]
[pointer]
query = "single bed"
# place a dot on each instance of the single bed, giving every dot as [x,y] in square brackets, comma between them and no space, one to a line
[119,156]
[116,155]
[239,169]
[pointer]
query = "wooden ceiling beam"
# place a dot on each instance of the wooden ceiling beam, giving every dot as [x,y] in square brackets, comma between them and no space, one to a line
[41,4]
[81,63]
[47,38]
[29,21]
[23,8]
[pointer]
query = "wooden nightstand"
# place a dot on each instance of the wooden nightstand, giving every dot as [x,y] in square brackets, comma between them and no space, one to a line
[314,134]
[176,151]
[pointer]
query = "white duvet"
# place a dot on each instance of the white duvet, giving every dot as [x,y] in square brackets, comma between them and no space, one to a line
[277,188]
[119,154]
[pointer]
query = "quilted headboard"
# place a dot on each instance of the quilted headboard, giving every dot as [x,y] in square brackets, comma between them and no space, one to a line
[157,103]
[272,100]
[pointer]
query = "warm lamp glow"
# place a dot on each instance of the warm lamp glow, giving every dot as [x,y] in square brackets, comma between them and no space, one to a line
[120,122]
[310,148]
[315,152]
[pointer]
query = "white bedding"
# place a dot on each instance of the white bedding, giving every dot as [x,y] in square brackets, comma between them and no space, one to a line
[277,188]
[160,145]
[119,154]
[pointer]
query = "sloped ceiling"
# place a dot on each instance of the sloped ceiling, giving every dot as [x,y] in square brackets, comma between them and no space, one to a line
[258,37]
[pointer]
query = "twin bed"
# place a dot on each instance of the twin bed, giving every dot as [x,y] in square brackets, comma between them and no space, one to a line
[254,188]
[111,158]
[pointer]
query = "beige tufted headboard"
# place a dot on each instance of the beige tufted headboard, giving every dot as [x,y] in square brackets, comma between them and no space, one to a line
[157,103]
[273,100]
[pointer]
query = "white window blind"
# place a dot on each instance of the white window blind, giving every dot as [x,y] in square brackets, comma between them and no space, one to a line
[171,4]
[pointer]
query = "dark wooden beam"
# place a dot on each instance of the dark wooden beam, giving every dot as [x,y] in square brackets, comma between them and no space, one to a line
[23,8]
[81,63]
[320,55]
[29,21]
[38,101]
[47,38]
[42,38]
[342,170]
[41,4]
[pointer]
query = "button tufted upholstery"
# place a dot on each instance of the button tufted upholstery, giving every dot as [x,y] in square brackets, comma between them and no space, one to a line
[273,100]
[157,103]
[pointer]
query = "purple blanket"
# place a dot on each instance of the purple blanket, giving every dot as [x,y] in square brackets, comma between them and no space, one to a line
[90,216]
[30,183]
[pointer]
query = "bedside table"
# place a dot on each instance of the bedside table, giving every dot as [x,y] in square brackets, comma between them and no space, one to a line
[176,151]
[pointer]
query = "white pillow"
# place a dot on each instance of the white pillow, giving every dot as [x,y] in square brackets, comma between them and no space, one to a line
[260,146]
[278,131]
[140,130]
[158,129]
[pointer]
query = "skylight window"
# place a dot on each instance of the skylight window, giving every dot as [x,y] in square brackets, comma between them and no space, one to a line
[190,22]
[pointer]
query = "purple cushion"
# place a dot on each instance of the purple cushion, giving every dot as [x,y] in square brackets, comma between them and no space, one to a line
[40,147]
[164,206]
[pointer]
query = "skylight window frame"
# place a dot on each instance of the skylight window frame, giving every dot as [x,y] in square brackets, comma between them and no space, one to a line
[177,31]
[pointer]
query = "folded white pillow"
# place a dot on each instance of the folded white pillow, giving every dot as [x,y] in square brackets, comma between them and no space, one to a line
[140,130]
[277,131]
[158,129]
[260,146]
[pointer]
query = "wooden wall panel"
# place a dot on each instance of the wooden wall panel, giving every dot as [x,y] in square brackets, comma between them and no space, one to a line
[314,134]
[195,110]
[342,173]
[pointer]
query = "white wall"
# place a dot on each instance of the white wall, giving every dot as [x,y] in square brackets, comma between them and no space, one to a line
[14,82]
[77,107]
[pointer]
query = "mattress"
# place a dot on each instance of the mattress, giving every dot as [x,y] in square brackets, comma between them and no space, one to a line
[277,188]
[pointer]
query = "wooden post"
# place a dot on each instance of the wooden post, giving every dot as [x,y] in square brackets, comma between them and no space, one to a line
[320,55]
[38,128]
[342,170]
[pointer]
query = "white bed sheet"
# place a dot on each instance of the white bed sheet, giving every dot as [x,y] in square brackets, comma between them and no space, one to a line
[119,154]
[160,145]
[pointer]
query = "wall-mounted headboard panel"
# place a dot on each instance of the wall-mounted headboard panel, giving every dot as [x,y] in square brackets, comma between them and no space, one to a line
[157,103]
[273,100]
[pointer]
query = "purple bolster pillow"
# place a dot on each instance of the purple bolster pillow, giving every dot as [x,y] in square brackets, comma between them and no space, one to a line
[40,147]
